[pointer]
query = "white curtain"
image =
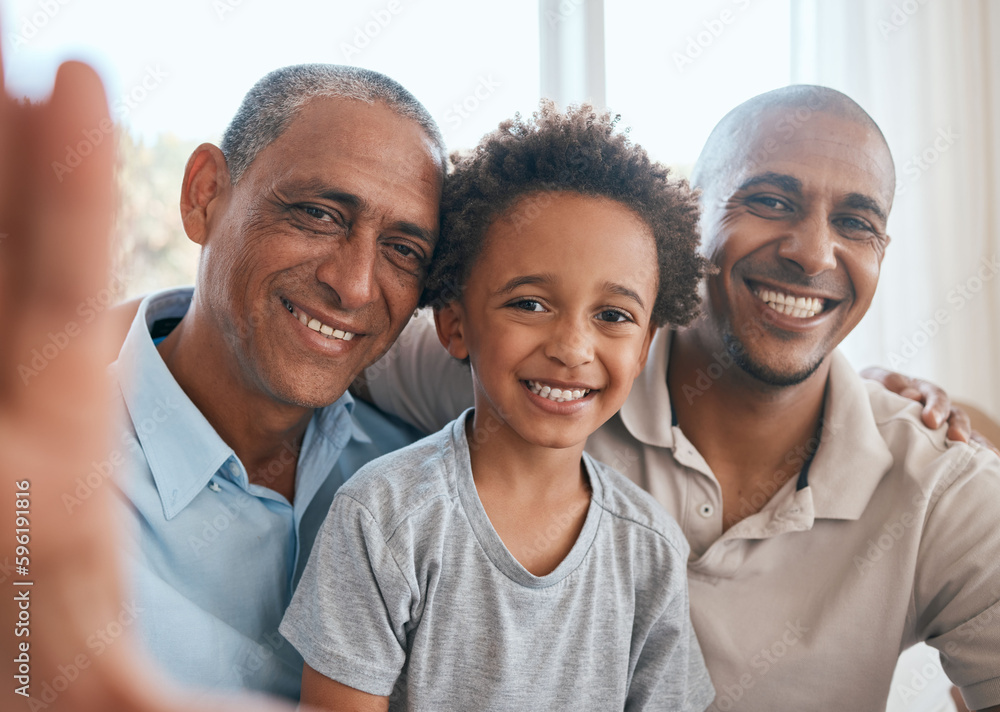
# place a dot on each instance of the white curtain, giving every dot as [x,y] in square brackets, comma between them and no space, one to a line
[928,71]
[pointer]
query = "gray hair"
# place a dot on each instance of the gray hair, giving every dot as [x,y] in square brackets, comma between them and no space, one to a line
[273,102]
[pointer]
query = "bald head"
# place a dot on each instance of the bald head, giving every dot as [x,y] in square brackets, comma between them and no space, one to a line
[754,129]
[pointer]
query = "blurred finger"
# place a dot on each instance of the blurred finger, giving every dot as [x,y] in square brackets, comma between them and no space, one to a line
[72,204]
[977,437]
[10,160]
[937,405]
[912,393]
[893,381]
[959,425]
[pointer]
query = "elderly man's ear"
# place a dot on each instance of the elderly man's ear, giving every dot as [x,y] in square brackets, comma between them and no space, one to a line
[206,178]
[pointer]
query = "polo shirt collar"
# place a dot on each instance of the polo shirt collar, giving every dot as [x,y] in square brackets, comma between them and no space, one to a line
[852,456]
[848,465]
[647,412]
[163,416]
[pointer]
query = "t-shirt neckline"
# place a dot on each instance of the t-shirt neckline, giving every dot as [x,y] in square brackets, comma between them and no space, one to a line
[491,542]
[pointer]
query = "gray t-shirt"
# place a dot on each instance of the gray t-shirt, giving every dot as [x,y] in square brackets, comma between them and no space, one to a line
[411,593]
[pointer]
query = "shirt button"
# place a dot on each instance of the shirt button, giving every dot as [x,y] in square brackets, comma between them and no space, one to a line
[706,510]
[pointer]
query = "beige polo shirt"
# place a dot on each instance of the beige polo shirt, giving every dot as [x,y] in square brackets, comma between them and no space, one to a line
[891,537]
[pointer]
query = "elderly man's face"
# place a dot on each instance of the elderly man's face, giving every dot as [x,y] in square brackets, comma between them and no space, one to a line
[316,259]
[797,230]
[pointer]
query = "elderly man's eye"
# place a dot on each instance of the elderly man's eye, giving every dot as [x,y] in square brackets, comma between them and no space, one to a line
[317,213]
[405,256]
[770,202]
[405,250]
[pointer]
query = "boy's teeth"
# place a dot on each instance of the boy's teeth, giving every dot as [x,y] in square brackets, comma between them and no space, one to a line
[316,325]
[556,394]
[798,307]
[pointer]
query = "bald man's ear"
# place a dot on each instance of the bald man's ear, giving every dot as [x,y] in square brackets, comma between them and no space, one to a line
[206,178]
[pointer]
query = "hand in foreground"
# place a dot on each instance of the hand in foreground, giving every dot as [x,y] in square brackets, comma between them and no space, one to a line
[54,421]
[938,407]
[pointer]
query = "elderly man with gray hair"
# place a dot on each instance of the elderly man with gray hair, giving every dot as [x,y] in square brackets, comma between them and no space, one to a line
[317,219]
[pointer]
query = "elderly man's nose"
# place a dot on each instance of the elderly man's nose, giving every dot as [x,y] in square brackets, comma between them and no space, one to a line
[350,270]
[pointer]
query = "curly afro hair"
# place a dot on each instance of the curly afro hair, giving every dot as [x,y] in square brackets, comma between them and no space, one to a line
[579,151]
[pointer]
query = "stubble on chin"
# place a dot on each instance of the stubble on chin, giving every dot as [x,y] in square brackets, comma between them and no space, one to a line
[763,372]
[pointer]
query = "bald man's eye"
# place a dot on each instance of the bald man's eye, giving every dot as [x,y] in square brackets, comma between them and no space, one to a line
[856,228]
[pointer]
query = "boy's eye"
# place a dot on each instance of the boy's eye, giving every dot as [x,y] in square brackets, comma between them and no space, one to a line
[616,316]
[531,305]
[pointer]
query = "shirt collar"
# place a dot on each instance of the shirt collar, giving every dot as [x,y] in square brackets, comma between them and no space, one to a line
[161,413]
[852,456]
[181,447]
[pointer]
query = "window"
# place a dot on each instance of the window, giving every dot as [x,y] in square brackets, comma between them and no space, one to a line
[176,72]
[674,69]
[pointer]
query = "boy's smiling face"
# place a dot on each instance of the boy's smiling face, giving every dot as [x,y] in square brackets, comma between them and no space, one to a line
[561,301]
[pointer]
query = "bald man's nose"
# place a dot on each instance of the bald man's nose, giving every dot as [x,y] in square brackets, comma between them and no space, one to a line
[811,244]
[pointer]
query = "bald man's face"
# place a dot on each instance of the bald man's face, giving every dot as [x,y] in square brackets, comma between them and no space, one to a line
[796,226]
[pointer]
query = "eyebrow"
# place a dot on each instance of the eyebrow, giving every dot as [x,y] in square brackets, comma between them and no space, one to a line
[624,291]
[788,183]
[359,204]
[791,184]
[859,201]
[521,281]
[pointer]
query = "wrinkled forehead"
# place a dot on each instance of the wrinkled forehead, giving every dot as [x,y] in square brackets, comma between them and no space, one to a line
[363,148]
[815,147]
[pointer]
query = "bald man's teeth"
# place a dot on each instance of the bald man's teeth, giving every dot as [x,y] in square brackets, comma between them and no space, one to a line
[798,307]
[556,394]
[316,325]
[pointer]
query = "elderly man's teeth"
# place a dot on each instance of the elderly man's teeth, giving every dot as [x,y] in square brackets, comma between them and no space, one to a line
[556,394]
[316,325]
[798,307]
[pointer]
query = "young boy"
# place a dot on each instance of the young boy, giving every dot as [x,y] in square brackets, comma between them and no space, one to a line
[494,565]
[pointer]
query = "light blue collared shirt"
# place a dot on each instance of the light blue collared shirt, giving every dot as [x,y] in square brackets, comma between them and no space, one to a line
[216,558]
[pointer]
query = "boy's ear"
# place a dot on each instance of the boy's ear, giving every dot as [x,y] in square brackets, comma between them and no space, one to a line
[450,323]
[644,354]
[206,177]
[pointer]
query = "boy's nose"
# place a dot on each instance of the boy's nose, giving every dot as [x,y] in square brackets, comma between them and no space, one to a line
[569,344]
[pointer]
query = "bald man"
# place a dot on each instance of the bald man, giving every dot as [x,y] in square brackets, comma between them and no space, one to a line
[829,528]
